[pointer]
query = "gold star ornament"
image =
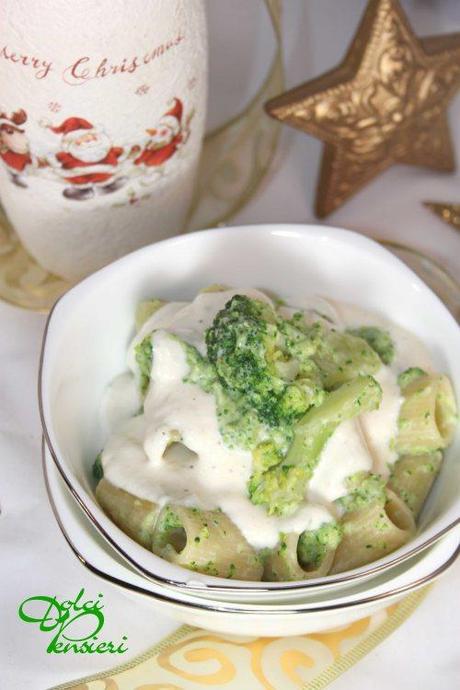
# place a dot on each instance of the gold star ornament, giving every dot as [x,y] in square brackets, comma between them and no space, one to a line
[384,104]
[449,213]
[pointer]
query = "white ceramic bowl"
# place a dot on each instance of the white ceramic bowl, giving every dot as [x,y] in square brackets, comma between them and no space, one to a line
[89,329]
[325,611]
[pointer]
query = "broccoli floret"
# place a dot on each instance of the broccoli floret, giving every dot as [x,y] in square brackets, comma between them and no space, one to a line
[314,544]
[379,340]
[250,355]
[144,358]
[364,488]
[301,340]
[238,422]
[264,456]
[282,487]
[201,372]
[238,343]
[271,380]
[409,375]
[299,343]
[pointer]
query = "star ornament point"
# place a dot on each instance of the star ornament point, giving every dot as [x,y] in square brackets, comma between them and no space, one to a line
[448,212]
[385,103]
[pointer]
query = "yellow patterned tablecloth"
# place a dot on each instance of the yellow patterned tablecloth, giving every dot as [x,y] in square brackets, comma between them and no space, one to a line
[193,659]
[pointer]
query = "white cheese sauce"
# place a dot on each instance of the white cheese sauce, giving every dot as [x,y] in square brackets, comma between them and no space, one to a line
[190,320]
[380,427]
[121,401]
[216,477]
[345,453]
[209,474]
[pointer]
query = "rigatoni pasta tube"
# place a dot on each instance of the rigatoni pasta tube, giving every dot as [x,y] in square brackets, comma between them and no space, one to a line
[428,416]
[135,516]
[412,478]
[289,561]
[342,357]
[205,541]
[146,309]
[372,532]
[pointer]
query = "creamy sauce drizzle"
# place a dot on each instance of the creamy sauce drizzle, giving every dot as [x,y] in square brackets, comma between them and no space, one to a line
[381,426]
[211,475]
[121,401]
[345,453]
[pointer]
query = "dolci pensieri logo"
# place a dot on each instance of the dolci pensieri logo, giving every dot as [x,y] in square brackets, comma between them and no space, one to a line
[74,624]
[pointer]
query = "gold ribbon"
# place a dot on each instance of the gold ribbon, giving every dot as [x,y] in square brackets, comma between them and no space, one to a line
[237,155]
[234,161]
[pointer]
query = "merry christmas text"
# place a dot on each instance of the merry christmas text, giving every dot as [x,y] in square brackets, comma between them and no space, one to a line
[41,67]
[86,68]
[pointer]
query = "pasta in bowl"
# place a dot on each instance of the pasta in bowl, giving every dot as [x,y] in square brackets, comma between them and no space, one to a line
[256,440]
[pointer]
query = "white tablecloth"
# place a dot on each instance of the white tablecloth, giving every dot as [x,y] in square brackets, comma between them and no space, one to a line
[423,654]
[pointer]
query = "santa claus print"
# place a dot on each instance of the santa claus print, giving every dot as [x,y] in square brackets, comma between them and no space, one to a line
[14,146]
[166,138]
[84,158]
[87,161]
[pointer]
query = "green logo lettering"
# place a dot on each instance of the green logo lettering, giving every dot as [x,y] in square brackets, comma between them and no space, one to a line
[75,624]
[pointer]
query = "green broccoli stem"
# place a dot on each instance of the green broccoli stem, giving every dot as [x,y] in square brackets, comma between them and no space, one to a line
[362,394]
[282,488]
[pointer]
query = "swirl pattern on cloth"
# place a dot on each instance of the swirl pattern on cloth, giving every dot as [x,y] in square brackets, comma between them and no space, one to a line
[192,659]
